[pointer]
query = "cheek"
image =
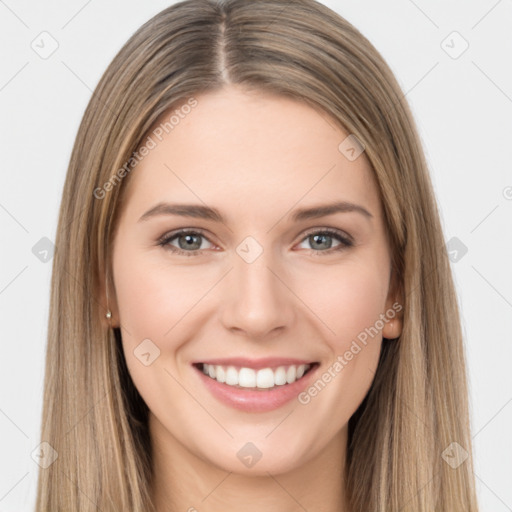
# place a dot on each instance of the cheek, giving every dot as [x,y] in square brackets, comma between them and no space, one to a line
[350,302]
[351,307]
[151,297]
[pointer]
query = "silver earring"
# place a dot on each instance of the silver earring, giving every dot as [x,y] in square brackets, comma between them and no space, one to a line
[109,314]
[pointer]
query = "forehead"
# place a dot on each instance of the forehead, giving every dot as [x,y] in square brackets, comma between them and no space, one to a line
[247,151]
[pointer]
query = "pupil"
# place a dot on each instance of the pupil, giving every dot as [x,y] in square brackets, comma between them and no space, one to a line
[189,240]
[316,237]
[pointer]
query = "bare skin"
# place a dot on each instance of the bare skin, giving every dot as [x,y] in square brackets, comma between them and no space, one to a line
[256,158]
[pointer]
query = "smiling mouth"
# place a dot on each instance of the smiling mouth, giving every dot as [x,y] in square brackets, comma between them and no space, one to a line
[252,379]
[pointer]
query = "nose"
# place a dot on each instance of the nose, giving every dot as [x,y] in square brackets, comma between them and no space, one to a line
[258,302]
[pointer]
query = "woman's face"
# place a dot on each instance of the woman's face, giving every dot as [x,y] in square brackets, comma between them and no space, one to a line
[257,289]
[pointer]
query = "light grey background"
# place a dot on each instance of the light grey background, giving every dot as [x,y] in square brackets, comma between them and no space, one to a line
[463,107]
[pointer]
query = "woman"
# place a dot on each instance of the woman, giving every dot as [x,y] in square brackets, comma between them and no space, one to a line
[206,350]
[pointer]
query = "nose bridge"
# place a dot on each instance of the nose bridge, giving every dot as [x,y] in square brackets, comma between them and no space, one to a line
[258,301]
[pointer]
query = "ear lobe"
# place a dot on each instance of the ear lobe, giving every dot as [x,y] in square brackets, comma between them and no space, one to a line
[392,329]
[108,307]
[394,310]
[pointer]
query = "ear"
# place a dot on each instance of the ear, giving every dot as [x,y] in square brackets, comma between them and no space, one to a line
[394,309]
[109,304]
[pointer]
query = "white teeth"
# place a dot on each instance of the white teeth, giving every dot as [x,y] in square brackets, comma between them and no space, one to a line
[231,376]
[221,374]
[291,374]
[280,376]
[247,378]
[264,378]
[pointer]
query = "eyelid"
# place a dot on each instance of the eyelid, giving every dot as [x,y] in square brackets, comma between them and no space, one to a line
[325,229]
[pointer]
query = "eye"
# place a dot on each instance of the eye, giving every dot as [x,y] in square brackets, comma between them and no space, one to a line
[323,240]
[189,241]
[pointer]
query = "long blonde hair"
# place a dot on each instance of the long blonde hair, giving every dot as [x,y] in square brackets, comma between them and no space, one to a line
[417,406]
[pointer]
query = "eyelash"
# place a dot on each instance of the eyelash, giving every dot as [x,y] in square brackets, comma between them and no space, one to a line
[168,237]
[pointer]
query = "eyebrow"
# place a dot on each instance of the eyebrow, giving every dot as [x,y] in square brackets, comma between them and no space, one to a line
[205,212]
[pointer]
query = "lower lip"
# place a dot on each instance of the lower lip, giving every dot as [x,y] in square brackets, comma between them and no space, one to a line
[250,400]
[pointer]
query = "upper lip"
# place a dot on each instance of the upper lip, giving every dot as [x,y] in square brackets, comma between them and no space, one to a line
[266,362]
